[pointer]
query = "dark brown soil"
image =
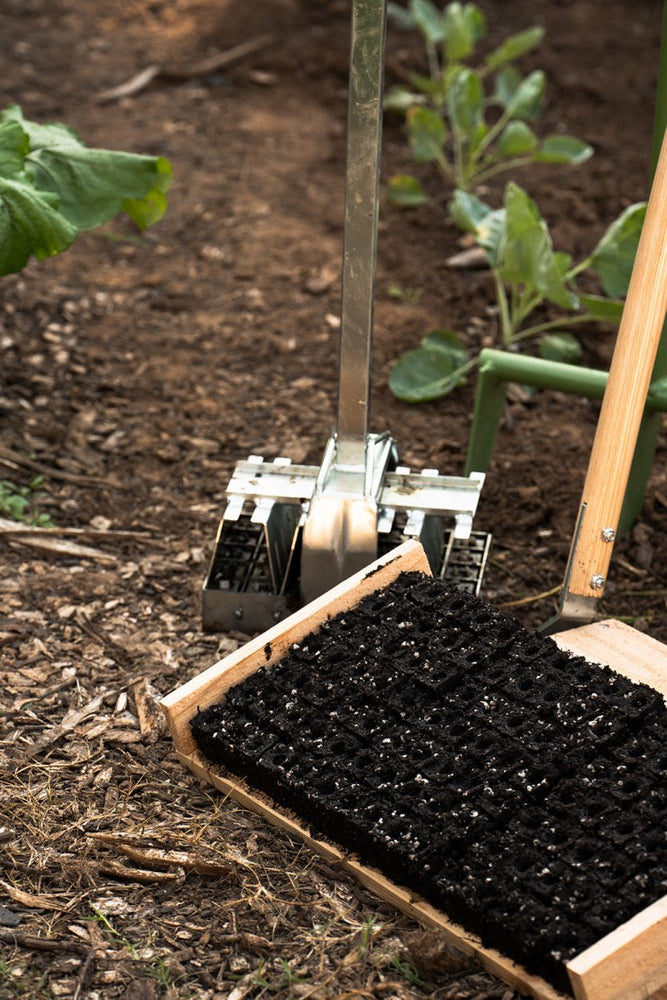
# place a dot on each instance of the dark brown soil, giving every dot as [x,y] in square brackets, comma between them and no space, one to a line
[136,370]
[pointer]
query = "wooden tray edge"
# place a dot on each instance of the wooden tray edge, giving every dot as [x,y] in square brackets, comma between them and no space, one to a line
[637,656]
[623,965]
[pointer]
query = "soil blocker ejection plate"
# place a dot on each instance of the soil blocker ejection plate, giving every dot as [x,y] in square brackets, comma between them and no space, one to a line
[485,779]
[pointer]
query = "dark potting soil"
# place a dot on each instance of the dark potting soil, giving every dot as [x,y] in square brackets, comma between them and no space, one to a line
[516,787]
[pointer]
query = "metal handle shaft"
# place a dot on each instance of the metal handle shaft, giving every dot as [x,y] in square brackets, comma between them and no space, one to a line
[360,237]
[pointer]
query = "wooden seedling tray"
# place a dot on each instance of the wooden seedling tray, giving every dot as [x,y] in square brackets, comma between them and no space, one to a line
[630,963]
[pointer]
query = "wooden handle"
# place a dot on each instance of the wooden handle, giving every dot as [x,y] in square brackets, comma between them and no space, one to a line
[624,398]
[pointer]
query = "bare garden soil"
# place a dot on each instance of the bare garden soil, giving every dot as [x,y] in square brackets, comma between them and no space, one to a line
[135,370]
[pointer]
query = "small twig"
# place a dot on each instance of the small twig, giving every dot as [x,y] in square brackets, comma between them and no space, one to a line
[156,857]
[220,59]
[31,942]
[131,87]
[13,459]
[60,546]
[118,870]
[9,527]
[530,599]
[68,723]
[206,66]
[85,973]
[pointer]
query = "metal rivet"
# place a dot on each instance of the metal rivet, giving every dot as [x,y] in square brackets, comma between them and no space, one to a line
[608,534]
[597,582]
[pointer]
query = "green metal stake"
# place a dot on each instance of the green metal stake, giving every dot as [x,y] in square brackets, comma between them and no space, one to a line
[497,368]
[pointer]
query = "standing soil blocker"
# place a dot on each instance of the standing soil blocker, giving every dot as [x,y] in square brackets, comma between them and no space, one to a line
[516,787]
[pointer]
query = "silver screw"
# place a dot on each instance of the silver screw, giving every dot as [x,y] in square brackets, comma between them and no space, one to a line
[608,534]
[597,582]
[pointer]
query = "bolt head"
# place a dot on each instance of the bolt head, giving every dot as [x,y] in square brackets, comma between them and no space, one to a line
[597,582]
[608,534]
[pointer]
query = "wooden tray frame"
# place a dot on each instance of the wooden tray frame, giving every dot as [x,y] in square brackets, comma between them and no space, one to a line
[630,963]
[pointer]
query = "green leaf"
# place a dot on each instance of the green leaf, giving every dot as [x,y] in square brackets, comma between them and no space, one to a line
[400,99]
[147,210]
[402,17]
[488,225]
[465,102]
[526,253]
[602,309]
[508,81]
[564,261]
[424,374]
[614,255]
[448,343]
[425,84]
[427,133]
[560,346]
[563,149]
[406,191]
[514,47]
[93,185]
[491,234]
[29,224]
[464,26]
[428,19]
[14,147]
[516,139]
[467,211]
[526,101]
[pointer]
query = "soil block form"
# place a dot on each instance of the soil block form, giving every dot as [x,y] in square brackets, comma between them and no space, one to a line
[474,773]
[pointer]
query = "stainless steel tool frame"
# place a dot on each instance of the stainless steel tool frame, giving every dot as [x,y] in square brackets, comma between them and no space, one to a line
[289,533]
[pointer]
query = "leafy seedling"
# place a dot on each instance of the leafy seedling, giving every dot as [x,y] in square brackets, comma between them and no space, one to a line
[471,121]
[108,929]
[408,296]
[528,276]
[18,502]
[408,971]
[52,187]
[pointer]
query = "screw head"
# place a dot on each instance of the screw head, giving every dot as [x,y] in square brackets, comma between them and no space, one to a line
[597,582]
[608,534]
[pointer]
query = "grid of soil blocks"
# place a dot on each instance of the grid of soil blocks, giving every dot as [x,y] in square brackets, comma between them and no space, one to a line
[516,787]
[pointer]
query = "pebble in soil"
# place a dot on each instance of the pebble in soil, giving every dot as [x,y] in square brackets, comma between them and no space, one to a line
[518,788]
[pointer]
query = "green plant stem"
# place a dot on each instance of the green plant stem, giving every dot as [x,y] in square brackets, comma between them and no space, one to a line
[578,268]
[493,133]
[461,178]
[500,168]
[524,307]
[551,324]
[446,169]
[506,331]
[434,69]
[454,376]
